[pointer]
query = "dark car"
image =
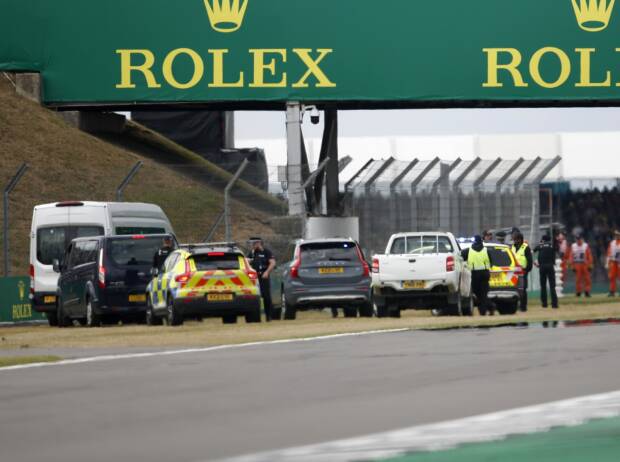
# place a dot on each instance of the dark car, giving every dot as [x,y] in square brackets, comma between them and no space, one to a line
[105,278]
[327,273]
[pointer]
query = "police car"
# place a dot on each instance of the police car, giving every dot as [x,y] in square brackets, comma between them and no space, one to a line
[204,280]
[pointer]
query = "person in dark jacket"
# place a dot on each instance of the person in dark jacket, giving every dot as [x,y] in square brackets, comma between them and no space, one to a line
[523,253]
[479,262]
[547,256]
[263,262]
[163,253]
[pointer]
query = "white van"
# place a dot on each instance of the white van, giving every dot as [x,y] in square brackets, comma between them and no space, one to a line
[54,226]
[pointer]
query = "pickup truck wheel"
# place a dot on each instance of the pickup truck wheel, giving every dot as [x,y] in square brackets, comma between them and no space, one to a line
[230,319]
[455,309]
[393,311]
[350,312]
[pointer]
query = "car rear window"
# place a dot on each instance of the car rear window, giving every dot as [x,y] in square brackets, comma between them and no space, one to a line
[329,251]
[499,256]
[214,262]
[421,245]
[53,241]
[133,252]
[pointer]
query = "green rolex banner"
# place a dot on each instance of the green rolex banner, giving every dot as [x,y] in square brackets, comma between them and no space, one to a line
[408,52]
[15,305]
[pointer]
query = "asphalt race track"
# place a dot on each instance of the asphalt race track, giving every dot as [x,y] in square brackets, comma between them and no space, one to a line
[206,406]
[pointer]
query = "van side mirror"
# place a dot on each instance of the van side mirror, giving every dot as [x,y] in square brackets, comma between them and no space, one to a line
[154,272]
[56,266]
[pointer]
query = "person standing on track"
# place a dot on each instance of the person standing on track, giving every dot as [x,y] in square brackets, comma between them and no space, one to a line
[581,261]
[478,260]
[546,264]
[613,263]
[523,252]
[263,262]
[163,253]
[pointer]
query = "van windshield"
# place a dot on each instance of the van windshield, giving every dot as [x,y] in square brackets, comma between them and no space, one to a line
[53,241]
[133,252]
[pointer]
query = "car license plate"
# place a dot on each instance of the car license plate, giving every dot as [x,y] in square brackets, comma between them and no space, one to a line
[414,284]
[140,298]
[331,270]
[49,299]
[220,297]
[496,279]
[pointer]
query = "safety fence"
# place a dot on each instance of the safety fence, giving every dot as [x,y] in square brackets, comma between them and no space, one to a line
[463,197]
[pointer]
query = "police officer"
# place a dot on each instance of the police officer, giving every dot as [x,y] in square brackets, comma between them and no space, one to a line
[500,237]
[477,258]
[547,256]
[163,253]
[523,252]
[263,262]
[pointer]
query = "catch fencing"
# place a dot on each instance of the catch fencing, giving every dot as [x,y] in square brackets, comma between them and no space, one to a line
[464,197]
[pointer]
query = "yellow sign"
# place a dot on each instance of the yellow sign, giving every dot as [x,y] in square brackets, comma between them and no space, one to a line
[226,16]
[593,15]
[21,287]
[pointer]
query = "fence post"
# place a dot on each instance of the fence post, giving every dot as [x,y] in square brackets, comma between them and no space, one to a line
[7,191]
[127,180]
[229,186]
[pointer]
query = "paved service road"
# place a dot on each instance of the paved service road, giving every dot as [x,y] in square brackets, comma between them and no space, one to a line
[205,406]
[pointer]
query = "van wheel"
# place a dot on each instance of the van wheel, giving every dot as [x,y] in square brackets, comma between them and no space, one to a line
[63,321]
[393,310]
[52,319]
[92,318]
[151,318]
[174,317]
[229,319]
[290,311]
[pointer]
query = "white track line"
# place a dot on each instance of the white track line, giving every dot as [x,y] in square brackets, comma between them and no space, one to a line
[95,359]
[446,435]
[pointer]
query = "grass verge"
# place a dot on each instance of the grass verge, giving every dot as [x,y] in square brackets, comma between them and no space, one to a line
[212,332]
[18,360]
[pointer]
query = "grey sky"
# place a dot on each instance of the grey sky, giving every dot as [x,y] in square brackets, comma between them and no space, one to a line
[433,122]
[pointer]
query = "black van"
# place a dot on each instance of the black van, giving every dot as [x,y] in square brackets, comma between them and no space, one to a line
[105,278]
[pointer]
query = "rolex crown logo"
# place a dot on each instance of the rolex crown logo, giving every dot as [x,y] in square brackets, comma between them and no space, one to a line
[226,15]
[593,15]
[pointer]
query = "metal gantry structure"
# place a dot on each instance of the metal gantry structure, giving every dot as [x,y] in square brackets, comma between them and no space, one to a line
[461,196]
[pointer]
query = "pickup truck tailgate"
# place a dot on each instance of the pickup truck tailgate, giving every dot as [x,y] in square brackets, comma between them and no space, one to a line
[411,267]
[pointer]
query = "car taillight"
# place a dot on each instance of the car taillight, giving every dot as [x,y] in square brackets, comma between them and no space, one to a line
[375,265]
[32,279]
[185,277]
[101,270]
[138,236]
[363,262]
[253,275]
[296,264]
[449,264]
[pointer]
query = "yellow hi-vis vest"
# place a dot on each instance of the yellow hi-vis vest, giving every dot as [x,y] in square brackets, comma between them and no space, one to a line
[521,258]
[478,261]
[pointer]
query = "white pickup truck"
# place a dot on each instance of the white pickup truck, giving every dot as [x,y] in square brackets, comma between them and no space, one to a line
[421,271]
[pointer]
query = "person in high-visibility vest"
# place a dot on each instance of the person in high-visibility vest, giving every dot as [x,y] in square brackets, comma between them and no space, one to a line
[613,263]
[581,262]
[478,260]
[524,256]
[564,251]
